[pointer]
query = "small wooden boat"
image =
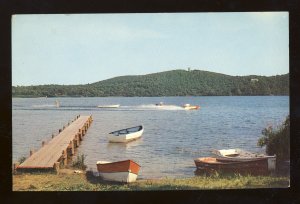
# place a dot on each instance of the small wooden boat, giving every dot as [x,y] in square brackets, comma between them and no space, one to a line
[121,171]
[211,164]
[242,155]
[126,135]
[190,107]
[109,106]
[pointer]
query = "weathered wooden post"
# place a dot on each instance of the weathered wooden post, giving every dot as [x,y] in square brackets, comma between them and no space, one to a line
[65,157]
[16,164]
[56,167]
[53,135]
[79,137]
[31,152]
[77,140]
[59,131]
[43,143]
[71,145]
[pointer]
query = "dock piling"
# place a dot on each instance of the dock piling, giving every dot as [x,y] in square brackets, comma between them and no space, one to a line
[16,164]
[31,152]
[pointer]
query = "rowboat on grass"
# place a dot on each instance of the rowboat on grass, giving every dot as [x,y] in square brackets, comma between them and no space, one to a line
[120,171]
[242,155]
[211,164]
[126,135]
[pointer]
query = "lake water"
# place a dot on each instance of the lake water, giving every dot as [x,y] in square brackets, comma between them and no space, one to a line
[172,138]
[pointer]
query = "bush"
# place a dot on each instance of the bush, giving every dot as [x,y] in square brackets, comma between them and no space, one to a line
[277,141]
[79,162]
[21,160]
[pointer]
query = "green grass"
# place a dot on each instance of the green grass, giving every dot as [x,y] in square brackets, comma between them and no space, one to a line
[86,182]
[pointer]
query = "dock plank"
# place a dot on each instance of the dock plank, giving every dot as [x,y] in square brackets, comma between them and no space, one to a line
[51,152]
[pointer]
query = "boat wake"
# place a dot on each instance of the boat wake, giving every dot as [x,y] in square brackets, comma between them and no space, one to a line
[43,106]
[164,107]
[143,107]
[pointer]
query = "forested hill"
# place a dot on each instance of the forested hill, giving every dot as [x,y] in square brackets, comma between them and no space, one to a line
[169,83]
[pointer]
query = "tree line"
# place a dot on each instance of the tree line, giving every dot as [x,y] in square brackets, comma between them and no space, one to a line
[168,83]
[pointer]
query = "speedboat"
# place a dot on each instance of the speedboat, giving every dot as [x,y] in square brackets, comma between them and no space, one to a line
[190,107]
[109,106]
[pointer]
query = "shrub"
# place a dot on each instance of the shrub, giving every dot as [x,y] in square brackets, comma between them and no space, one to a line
[277,141]
[79,162]
[21,160]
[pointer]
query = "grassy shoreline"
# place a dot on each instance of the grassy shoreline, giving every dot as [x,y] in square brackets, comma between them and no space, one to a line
[67,180]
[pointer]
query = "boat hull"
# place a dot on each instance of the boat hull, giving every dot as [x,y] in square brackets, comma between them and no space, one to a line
[125,177]
[191,108]
[236,155]
[121,171]
[109,106]
[119,137]
[211,164]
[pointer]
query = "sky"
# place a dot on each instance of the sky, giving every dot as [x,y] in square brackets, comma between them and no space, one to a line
[85,48]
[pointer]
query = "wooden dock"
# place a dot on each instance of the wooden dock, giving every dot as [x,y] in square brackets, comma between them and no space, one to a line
[59,149]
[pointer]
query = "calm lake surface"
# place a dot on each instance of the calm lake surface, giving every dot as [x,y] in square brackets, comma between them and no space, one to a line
[172,138]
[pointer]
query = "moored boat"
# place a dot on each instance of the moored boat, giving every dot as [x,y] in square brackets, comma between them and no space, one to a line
[211,164]
[126,135]
[242,155]
[120,171]
[109,106]
[190,107]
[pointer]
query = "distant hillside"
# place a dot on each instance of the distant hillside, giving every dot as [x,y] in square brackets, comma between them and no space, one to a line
[169,83]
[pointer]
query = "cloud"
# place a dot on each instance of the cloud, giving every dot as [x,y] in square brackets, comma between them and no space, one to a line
[268,16]
[126,33]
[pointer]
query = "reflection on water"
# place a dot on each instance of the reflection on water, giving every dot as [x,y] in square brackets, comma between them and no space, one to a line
[172,138]
[123,146]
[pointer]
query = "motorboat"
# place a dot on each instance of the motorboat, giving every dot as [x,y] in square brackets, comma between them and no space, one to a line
[109,106]
[190,107]
[159,104]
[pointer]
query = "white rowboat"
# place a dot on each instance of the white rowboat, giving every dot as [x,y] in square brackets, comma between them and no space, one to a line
[121,171]
[126,135]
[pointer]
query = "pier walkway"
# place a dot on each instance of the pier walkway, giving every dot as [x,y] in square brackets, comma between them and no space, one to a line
[58,150]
